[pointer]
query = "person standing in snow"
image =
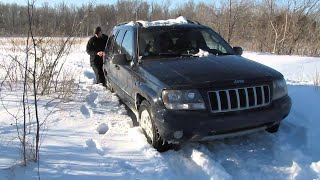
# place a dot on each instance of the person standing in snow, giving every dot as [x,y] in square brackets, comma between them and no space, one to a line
[95,48]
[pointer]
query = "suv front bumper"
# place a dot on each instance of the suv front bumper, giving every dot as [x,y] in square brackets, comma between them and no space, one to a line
[204,125]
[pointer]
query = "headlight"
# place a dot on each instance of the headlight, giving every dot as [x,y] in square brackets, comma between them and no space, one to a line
[279,89]
[183,100]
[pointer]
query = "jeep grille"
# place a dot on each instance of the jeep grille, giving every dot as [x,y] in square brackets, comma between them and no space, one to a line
[239,99]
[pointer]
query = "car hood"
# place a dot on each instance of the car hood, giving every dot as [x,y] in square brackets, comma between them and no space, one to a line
[200,70]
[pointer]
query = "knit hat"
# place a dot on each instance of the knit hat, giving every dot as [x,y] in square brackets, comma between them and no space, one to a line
[97,30]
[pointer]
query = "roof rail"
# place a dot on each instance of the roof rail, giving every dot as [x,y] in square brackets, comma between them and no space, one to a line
[193,22]
[139,23]
[122,23]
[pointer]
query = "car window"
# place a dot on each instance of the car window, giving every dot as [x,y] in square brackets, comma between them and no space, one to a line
[127,45]
[181,41]
[213,42]
[117,44]
[110,42]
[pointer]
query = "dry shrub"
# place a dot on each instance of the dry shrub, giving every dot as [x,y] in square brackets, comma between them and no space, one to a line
[67,84]
[51,75]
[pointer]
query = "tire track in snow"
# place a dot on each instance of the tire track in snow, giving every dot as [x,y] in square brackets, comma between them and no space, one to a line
[248,157]
[171,164]
[201,156]
[181,163]
[245,157]
[210,167]
[258,156]
[157,161]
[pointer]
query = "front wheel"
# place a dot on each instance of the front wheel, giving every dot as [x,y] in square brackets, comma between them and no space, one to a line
[147,124]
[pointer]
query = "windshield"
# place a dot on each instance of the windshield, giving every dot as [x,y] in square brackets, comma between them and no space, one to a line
[181,42]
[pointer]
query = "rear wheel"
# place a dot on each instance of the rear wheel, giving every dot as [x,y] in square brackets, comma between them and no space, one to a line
[273,129]
[147,124]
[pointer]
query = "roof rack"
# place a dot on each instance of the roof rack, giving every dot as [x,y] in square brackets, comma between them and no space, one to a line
[124,23]
[193,22]
[140,24]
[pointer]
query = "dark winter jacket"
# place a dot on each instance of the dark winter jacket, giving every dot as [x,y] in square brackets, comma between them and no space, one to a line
[94,46]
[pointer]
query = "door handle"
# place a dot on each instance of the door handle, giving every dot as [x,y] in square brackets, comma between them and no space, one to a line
[117,67]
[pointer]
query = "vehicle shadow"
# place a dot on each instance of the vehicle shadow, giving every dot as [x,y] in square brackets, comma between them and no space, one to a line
[130,113]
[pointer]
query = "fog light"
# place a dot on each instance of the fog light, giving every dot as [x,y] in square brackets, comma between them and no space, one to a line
[178,134]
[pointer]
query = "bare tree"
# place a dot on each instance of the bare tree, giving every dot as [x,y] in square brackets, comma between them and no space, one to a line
[27,66]
[282,27]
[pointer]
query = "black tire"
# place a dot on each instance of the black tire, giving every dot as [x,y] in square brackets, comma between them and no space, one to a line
[157,141]
[273,129]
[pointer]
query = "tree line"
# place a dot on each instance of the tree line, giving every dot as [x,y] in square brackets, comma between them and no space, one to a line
[277,26]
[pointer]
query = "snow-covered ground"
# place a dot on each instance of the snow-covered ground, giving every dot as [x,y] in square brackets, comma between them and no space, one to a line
[92,137]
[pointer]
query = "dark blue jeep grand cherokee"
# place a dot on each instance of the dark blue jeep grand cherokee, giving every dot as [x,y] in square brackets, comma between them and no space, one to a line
[185,83]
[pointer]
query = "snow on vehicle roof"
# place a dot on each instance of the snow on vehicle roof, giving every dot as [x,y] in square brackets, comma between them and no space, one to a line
[168,22]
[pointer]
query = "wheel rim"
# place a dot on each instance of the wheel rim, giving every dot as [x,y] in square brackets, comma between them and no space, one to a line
[146,124]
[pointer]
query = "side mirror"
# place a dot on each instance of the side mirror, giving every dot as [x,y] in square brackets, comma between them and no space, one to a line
[238,50]
[120,59]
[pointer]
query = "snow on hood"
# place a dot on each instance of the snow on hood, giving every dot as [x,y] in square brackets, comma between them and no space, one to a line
[169,22]
[202,53]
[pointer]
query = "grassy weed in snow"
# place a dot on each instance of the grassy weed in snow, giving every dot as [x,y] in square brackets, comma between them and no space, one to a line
[316,78]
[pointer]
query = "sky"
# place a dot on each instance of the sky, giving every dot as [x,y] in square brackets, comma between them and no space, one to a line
[80,2]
